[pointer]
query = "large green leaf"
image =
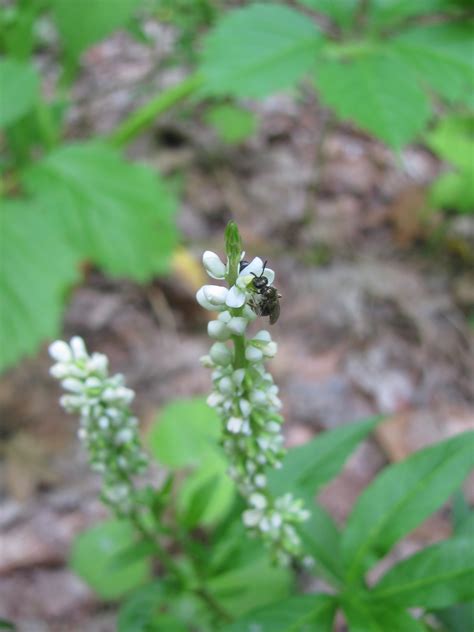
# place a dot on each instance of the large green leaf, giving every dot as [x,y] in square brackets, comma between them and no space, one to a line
[438,576]
[383,13]
[185,432]
[453,140]
[81,24]
[312,465]
[442,56]
[19,85]
[233,124]
[93,555]
[401,497]
[117,214]
[250,586]
[304,613]
[378,92]
[341,11]
[363,616]
[259,49]
[36,268]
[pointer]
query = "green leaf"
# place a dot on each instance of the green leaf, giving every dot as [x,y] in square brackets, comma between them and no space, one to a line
[120,215]
[441,55]
[259,49]
[304,613]
[401,497]
[458,618]
[93,555]
[341,11]
[185,432]
[369,92]
[453,140]
[362,616]
[233,124]
[438,576]
[383,13]
[81,25]
[321,540]
[36,269]
[312,465]
[251,586]
[207,494]
[141,610]
[19,87]
[7,625]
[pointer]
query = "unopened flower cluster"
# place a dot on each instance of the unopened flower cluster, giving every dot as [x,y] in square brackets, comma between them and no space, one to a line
[107,427]
[246,399]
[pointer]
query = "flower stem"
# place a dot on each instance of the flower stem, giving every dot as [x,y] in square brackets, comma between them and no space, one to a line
[240,361]
[141,118]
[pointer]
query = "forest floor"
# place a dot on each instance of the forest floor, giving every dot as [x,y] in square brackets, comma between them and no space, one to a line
[374,316]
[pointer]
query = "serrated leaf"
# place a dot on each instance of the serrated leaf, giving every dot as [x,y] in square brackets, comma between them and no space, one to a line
[400,498]
[438,576]
[258,49]
[378,92]
[362,616]
[36,269]
[185,432]
[251,586]
[341,11]
[117,214]
[19,86]
[312,465]
[233,124]
[441,55]
[304,613]
[81,26]
[93,554]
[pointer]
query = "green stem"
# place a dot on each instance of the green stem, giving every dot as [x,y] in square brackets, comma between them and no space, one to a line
[240,361]
[141,118]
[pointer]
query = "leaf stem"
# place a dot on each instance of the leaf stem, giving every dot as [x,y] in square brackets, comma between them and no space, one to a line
[141,118]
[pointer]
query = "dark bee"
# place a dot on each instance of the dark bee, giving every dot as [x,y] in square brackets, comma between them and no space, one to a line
[268,303]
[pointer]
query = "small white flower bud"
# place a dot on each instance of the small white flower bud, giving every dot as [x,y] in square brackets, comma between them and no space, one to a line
[258,501]
[220,354]
[215,399]
[60,351]
[251,517]
[60,370]
[260,480]
[234,425]
[216,329]
[123,436]
[73,385]
[226,386]
[215,294]
[78,348]
[225,317]
[245,407]
[253,354]
[235,297]
[237,325]
[270,350]
[263,336]
[104,423]
[98,362]
[238,376]
[213,265]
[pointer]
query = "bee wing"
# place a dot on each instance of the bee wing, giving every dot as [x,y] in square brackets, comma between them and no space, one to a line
[275,313]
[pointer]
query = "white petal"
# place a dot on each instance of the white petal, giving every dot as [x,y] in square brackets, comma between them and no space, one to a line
[245,407]
[263,335]
[270,350]
[237,325]
[215,294]
[258,501]
[269,274]
[251,517]
[220,353]
[225,316]
[202,300]
[214,266]
[218,330]
[235,297]
[255,267]
[60,351]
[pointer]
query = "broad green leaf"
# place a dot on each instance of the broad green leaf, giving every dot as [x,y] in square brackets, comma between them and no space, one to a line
[362,616]
[442,56]
[36,269]
[251,586]
[19,87]
[140,611]
[378,92]
[117,214]
[458,618]
[312,465]
[81,25]
[383,13]
[304,613]
[321,540]
[258,49]
[453,140]
[93,555]
[185,432]
[233,124]
[207,493]
[401,497]
[454,191]
[341,11]
[439,575]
